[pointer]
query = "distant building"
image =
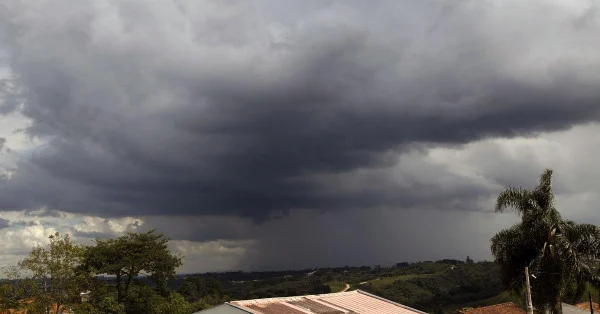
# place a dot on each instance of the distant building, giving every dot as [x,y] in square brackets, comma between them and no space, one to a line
[351,302]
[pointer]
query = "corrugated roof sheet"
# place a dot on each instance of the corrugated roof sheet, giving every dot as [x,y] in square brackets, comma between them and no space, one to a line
[274,308]
[351,302]
[315,307]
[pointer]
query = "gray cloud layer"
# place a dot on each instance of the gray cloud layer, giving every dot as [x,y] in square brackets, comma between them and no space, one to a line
[238,109]
[4,223]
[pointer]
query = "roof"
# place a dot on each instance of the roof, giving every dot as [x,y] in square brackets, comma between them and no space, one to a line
[350,302]
[502,308]
[586,306]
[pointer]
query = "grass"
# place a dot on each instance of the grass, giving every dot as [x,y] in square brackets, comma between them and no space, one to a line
[386,281]
[336,286]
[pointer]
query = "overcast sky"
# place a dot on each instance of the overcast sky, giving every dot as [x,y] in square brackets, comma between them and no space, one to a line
[289,134]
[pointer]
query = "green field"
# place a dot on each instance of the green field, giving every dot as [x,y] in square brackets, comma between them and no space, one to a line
[386,281]
[336,286]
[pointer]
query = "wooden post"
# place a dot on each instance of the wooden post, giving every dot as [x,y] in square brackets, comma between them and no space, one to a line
[528,292]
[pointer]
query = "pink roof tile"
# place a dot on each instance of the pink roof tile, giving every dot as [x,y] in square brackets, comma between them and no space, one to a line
[274,308]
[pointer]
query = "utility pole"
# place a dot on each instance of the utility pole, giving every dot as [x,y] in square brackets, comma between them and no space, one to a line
[591,303]
[528,292]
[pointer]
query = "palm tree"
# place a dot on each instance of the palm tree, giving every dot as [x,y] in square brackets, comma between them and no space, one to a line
[561,254]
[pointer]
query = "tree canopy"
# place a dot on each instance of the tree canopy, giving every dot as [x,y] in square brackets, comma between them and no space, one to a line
[131,255]
[55,266]
[62,276]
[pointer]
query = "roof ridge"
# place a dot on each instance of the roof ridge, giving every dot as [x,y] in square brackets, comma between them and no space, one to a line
[333,294]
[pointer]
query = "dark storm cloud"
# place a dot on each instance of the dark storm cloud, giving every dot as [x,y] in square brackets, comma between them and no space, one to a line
[219,110]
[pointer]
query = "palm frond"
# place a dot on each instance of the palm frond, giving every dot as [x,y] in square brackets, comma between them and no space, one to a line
[546,180]
[515,198]
[585,238]
[512,255]
[543,194]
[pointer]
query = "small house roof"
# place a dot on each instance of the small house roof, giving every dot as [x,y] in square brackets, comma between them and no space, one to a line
[350,302]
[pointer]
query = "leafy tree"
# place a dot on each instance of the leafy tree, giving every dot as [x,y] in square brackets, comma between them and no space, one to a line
[131,255]
[196,288]
[560,253]
[199,306]
[176,304]
[56,267]
[143,299]
[103,299]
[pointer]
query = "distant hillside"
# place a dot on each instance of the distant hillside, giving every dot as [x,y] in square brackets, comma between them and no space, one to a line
[443,286]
